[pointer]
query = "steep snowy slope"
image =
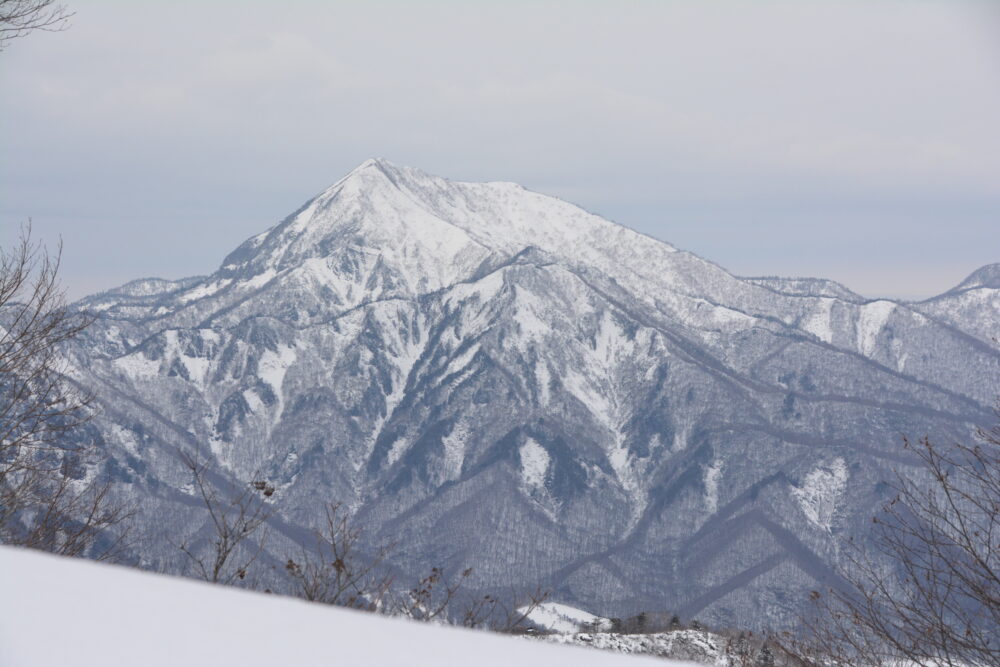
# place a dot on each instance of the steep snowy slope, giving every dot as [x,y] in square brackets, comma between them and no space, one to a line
[495,378]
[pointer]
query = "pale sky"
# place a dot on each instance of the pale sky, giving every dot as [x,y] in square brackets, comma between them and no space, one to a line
[852,140]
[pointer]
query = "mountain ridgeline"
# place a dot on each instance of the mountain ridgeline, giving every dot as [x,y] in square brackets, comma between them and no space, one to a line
[494,378]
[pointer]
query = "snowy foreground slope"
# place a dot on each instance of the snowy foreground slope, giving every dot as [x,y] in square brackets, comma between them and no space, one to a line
[59,611]
[496,379]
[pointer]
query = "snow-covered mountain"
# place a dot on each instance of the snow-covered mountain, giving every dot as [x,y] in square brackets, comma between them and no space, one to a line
[495,378]
[973,305]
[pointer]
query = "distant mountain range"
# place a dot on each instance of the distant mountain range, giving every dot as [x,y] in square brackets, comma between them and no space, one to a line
[494,378]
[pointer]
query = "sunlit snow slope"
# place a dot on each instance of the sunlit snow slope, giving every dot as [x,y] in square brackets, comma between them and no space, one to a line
[60,611]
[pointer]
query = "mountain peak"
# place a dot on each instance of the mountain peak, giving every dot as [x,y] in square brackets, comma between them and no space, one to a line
[445,353]
[376,163]
[373,168]
[427,230]
[984,276]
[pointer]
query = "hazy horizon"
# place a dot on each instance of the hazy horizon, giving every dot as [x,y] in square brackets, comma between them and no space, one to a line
[855,141]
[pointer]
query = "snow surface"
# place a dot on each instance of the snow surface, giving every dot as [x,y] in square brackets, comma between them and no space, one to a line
[60,611]
[534,464]
[135,366]
[203,290]
[562,618]
[704,647]
[273,365]
[821,491]
[818,323]
[872,319]
[712,475]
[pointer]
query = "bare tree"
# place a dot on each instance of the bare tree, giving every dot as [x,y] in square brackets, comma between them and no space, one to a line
[19,17]
[511,615]
[234,523]
[79,521]
[51,496]
[39,408]
[430,598]
[335,572]
[929,592]
[745,649]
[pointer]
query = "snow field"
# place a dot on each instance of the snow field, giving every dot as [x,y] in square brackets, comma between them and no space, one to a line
[58,611]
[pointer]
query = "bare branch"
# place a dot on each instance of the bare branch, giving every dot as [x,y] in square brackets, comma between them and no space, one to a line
[20,17]
[51,497]
[335,572]
[234,523]
[928,591]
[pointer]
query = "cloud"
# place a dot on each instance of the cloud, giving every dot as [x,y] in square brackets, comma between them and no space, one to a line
[180,115]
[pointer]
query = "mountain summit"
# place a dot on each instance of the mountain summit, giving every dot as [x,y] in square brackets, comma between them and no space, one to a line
[494,378]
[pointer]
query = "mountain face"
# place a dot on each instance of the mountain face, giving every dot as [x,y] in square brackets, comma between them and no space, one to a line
[494,378]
